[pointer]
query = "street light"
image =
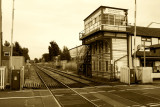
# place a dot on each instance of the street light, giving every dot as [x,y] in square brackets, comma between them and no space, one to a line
[12,34]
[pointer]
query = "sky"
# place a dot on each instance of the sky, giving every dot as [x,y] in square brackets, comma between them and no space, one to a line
[38,22]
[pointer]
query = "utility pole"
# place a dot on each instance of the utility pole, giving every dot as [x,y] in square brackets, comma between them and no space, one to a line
[12,35]
[1,33]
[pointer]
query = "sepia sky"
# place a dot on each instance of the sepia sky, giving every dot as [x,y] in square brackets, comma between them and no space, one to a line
[37,22]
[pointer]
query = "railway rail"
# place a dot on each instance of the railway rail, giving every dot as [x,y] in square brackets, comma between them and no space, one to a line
[80,99]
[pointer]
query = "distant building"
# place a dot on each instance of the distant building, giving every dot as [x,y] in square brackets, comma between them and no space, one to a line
[6,55]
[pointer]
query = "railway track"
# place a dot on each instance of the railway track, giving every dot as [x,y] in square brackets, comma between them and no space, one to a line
[77,78]
[73,83]
[66,98]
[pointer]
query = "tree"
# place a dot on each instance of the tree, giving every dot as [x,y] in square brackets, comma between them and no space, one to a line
[19,51]
[25,53]
[65,55]
[40,60]
[35,60]
[7,44]
[45,56]
[53,50]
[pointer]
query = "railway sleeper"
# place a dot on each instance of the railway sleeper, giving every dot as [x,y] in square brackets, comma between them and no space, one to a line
[33,86]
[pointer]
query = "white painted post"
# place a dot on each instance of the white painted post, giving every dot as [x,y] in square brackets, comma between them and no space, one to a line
[1,79]
[129,82]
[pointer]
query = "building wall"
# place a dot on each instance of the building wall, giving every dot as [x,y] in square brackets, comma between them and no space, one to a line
[106,51]
[101,56]
[119,48]
[154,41]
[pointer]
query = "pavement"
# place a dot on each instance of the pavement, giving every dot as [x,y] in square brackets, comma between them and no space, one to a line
[102,96]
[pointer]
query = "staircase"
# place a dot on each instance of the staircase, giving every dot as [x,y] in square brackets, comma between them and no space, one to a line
[84,67]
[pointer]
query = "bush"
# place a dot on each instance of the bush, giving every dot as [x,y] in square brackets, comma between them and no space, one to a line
[71,66]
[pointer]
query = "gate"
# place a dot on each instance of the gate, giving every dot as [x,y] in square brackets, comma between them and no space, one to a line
[3,77]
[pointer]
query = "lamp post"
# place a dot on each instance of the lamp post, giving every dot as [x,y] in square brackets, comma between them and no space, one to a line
[152,23]
[12,35]
[135,49]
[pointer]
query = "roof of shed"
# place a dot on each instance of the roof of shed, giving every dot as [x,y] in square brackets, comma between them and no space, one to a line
[144,31]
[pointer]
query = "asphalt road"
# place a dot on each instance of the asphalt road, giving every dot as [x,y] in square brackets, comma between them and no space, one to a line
[103,96]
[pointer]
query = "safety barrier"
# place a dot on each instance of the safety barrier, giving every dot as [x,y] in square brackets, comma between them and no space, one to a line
[3,77]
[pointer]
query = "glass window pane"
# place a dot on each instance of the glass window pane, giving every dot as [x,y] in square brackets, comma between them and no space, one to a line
[111,19]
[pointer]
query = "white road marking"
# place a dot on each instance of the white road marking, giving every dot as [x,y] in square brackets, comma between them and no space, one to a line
[5,98]
[143,88]
[101,91]
[96,100]
[92,92]
[73,94]
[137,106]
[103,86]
[83,93]
[111,91]
[121,90]
[156,105]
[59,95]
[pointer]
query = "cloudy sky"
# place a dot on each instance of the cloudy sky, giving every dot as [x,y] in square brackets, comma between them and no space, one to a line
[37,22]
